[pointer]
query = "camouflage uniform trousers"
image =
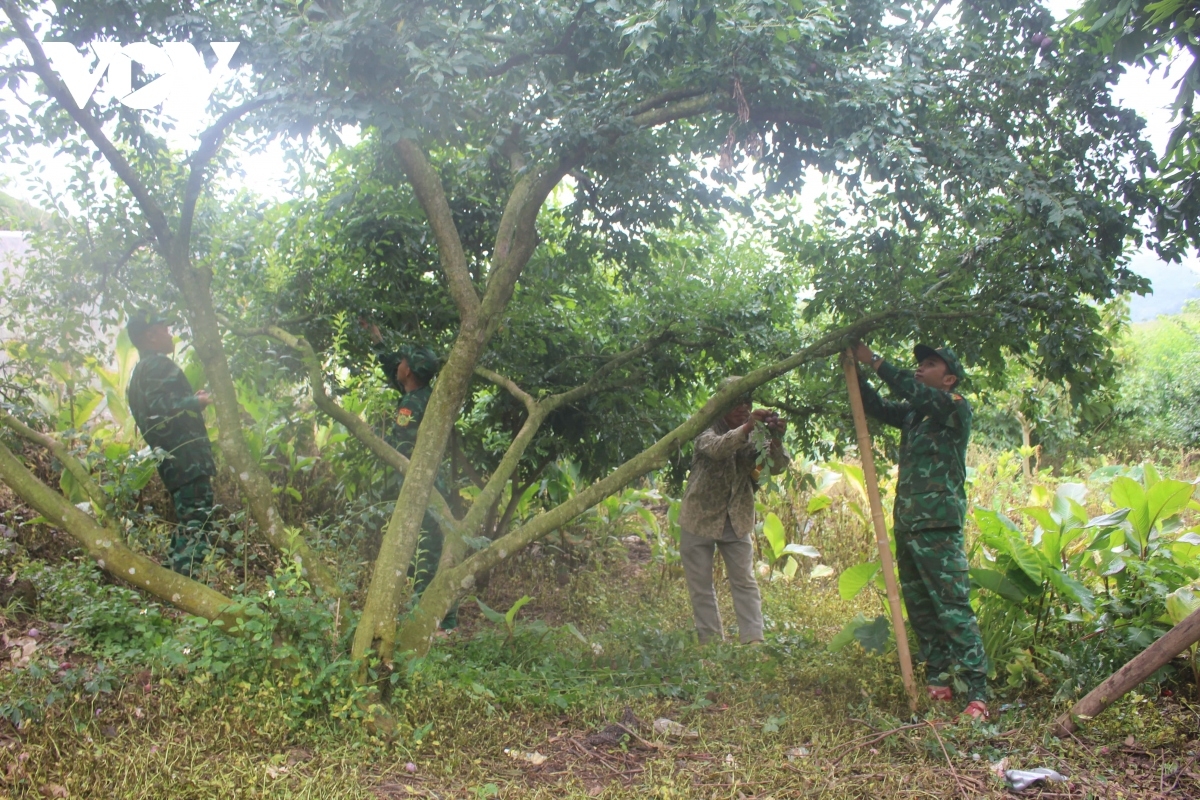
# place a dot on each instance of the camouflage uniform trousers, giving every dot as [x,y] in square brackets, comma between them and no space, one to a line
[424,565]
[192,539]
[937,593]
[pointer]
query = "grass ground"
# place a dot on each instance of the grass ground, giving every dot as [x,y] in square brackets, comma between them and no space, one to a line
[539,714]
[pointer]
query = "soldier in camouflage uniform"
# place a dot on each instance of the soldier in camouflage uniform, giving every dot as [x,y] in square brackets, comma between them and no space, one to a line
[171,418]
[931,503]
[409,371]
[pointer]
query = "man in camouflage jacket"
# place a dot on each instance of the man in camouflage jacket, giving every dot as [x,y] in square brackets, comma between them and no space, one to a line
[931,504]
[409,371]
[171,418]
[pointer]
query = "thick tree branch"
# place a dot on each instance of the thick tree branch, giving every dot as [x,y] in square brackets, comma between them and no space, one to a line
[673,111]
[509,385]
[111,553]
[427,186]
[210,142]
[664,98]
[41,65]
[59,450]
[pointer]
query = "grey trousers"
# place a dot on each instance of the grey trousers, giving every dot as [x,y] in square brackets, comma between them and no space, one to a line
[696,553]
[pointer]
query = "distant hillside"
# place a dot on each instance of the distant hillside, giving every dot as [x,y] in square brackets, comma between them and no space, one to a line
[17,215]
[1174,285]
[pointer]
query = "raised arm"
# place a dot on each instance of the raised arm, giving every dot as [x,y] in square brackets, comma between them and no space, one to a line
[925,400]
[719,446]
[889,412]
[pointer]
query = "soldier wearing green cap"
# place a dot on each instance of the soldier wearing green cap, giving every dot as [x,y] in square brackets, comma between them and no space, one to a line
[171,418]
[409,371]
[931,504]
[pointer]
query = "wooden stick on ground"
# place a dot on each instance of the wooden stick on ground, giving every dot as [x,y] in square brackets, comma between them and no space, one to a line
[881,537]
[1138,669]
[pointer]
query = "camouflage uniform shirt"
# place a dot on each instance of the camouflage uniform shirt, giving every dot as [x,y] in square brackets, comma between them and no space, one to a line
[402,430]
[934,428]
[170,417]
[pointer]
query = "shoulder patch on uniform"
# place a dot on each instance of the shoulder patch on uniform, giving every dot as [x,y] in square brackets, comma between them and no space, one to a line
[404,416]
[956,396]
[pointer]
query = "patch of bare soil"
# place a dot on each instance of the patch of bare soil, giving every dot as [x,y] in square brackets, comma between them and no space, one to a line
[614,754]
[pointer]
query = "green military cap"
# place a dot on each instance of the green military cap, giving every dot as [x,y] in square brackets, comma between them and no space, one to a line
[422,361]
[924,351]
[143,319]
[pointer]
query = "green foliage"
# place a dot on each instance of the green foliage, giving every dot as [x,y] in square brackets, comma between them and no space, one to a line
[1154,401]
[1083,593]
[1147,33]
[289,647]
[1080,593]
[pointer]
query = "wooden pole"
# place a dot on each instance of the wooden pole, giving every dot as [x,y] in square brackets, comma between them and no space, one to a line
[1138,669]
[881,537]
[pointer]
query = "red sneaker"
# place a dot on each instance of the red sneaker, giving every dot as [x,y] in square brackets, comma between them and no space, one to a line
[940,693]
[977,709]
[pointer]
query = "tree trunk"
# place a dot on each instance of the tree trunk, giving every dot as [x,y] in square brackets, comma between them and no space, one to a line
[1141,667]
[1027,447]
[256,487]
[388,579]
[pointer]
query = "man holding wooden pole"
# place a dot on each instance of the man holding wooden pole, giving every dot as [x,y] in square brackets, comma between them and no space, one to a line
[931,504]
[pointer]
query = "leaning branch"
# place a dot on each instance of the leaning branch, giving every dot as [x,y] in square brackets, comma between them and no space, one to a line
[509,385]
[111,553]
[59,450]
[673,111]
[447,586]
[664,98]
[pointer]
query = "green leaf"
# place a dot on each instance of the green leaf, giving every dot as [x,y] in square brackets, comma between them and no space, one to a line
[1071,589]
[1127,493]
[571,629]
[806,550]
[852,580]
[1182,603]
[819,502]
[772,724]
[1028,559]
[996,583]
[1043,517]
[821,571]
[511,615]
[1065,494]
[71,488]
[1166,499]
[491,614]
[773,530]
[846,635]
[1108,520]
[1150,476]
[874,635]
